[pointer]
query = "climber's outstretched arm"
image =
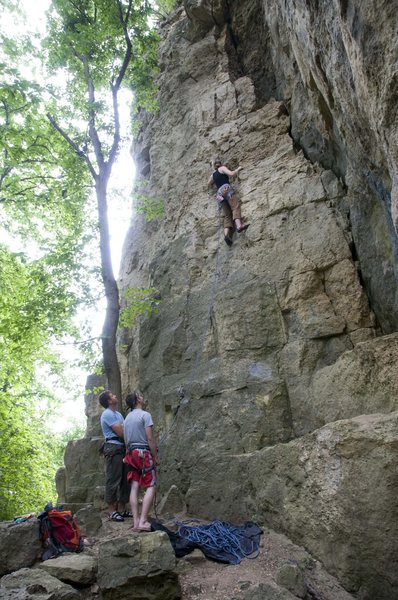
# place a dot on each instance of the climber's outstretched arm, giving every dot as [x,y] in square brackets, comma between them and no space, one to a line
[227,171]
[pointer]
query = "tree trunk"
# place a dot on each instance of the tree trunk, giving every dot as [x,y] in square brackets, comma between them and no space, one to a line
[111,363]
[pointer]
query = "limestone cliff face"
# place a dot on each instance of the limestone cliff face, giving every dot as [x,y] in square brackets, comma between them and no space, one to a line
[270,368]
[335,66]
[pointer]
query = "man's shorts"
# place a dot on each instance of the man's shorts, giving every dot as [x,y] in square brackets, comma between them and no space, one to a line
[139,461]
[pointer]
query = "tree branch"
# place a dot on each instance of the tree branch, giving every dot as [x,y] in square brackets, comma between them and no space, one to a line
[84,15]
[129,47]
[73,145]
[76,343]
[5,173]
[116,86]
[41,161]
[39,178]
[7,113]
[91,123]
[20,193]
[36,144]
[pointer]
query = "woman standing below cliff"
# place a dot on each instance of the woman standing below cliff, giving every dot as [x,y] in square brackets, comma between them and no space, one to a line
[142,458]
[228,200]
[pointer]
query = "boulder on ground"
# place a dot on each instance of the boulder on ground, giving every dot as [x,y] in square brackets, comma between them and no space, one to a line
[20,545]
[34,584]
[72,568]
[138,566]
[291,577]
[89,520]
[172,502]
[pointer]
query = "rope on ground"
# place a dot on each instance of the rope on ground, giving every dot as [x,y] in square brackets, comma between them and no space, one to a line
[219,535]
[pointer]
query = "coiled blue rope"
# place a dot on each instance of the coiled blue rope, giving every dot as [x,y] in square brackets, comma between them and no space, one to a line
[219,536]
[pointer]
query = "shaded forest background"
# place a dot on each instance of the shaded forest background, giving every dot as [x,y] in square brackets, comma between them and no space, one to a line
[59,137]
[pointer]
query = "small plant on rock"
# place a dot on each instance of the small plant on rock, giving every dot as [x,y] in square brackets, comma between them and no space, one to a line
[151,207]
[139,301]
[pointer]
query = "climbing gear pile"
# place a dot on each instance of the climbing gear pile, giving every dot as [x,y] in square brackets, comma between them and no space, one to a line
[223,541]
[218,540]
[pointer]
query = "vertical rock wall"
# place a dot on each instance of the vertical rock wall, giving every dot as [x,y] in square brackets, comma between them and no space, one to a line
[335,66]
[268,369]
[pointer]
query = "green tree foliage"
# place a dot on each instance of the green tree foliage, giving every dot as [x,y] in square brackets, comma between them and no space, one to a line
[57,144]
[138,301]
[43,211]
[43,194]
[152,207]
[102,46]
[167,6]
[74,432]
[29,457]
[30,454]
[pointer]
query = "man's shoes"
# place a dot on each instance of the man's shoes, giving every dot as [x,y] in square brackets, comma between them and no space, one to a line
[116,516]
[227,240]
[243,228]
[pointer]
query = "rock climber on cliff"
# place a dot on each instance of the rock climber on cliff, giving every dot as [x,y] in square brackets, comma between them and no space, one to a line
[228,199]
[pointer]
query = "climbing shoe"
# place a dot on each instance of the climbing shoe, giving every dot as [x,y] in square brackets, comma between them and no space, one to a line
[243,228]
[227,240]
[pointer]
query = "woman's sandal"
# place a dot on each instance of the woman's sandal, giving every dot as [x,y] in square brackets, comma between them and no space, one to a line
[127,514]
[116,516]
[243,228]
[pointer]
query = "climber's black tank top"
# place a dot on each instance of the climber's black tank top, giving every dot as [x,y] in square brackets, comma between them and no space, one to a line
[220,179]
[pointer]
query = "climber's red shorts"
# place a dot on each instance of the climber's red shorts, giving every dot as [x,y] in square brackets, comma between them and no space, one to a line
[139,460]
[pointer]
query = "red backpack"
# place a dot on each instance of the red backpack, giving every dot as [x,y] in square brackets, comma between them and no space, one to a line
[59,532]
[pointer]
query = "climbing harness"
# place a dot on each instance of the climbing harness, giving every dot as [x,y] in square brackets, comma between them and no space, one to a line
[224,194]
[141,453]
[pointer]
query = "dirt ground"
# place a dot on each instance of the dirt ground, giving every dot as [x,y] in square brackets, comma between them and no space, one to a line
[202,579]
[281,565]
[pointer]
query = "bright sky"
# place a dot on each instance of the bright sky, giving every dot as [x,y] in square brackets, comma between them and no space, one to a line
[119,214]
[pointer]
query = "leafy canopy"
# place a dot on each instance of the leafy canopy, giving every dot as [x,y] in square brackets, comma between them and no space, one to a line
[30,453]
[46,206]
[44,202]
[87,43]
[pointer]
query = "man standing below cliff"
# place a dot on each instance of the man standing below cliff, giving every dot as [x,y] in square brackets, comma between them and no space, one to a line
[228,200]
[142,458]
[116,486]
